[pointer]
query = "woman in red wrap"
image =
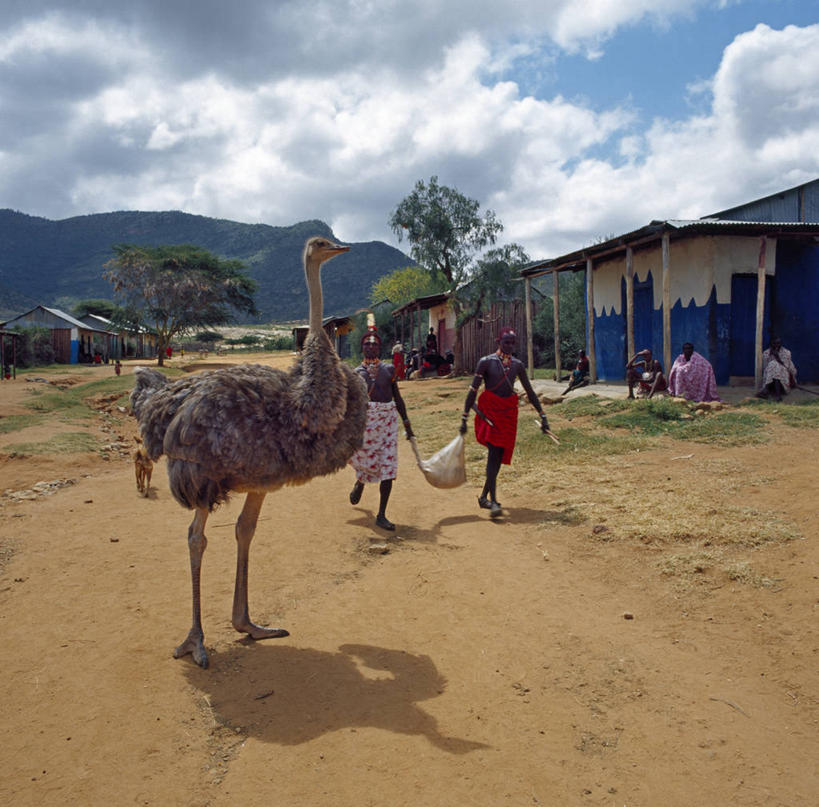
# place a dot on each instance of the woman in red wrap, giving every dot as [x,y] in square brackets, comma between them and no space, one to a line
[496,422]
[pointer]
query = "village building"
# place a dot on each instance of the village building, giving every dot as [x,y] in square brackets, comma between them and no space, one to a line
[414,319]
[726,282]
[80,340]
[337,328]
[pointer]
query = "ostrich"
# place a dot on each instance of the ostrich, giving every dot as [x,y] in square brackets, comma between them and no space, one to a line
[251,429]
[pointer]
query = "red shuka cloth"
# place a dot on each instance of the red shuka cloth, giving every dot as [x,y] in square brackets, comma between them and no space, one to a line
[398,366]
[503,412]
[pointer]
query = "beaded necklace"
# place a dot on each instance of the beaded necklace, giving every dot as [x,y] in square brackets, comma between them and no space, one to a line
[371,366]
[505,358]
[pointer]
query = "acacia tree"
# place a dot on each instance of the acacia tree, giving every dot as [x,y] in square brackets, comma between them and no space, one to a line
[445,230]
[174,289]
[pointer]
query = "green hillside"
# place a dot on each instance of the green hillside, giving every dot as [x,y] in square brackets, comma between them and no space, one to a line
[43,260]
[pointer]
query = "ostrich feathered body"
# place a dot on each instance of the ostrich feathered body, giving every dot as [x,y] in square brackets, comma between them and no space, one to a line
[251,427]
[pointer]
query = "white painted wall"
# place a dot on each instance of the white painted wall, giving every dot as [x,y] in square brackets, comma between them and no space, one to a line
[696,265]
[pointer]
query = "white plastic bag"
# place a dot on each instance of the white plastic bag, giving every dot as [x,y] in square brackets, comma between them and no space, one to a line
[447,467]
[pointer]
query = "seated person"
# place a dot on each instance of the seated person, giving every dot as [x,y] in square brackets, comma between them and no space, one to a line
[580,374]
[432,359]
[652,381]
[692,376]
[778,371]
[413,363]
[640,363]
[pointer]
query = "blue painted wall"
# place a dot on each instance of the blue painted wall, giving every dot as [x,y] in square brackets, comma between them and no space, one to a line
[742,343]
[795,305]
[610,343]
[791,312]
[708,328]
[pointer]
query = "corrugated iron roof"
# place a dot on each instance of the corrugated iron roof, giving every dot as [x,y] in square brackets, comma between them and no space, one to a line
[56,312]
[655,230]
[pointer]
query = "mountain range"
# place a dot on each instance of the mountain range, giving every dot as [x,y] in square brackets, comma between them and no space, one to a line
[44,261]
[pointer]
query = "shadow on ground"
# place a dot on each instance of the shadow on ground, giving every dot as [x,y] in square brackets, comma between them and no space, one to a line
[291,695]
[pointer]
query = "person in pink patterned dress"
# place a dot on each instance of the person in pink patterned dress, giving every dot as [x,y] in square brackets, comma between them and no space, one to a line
[377,459]
[692,376]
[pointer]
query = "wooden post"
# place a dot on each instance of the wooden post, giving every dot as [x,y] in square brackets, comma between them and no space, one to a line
[666,304]
[760,311]
[590,304]
[630,347]
[556,303]
[530,351]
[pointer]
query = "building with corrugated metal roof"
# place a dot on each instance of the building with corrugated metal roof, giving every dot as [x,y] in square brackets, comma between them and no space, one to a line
[726,282]
[78,340]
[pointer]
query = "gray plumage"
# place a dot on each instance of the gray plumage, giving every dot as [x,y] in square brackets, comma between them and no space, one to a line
[251,429]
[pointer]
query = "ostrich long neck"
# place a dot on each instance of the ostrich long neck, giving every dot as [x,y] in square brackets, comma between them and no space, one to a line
[312,271]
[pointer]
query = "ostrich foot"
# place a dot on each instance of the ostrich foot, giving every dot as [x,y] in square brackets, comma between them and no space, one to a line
[258,632]
[195,645]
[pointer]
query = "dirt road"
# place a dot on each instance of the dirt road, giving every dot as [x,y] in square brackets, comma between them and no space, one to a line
[458,662]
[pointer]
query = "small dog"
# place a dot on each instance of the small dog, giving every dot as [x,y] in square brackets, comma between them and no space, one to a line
[143,467]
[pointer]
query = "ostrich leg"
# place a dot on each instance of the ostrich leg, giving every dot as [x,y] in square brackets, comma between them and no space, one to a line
[195,641]
[245,529]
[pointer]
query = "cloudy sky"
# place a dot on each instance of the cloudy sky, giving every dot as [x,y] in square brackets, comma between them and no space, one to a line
[571,120]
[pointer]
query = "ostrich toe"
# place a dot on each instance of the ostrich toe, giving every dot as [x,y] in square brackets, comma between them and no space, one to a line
[195,645]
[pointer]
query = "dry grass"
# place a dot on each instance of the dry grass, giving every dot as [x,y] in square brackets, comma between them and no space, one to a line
[686,510]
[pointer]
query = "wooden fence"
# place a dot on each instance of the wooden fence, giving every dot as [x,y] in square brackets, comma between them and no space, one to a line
[480,336]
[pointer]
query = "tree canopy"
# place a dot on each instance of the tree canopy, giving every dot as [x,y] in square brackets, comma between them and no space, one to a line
[496,277]
[444,228]
[174,289]
[102,308]
[403,285]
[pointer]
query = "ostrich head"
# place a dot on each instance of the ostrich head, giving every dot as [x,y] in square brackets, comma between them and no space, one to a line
[317,250]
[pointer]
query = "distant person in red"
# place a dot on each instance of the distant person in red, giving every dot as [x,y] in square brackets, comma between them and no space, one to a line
[398,361]
[169,351]
[498,403]
[97,357]
[117,367]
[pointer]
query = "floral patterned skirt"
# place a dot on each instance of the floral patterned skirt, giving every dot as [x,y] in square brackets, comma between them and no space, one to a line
[377,459]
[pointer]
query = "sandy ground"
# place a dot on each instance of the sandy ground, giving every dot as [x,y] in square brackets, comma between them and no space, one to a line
[459,662]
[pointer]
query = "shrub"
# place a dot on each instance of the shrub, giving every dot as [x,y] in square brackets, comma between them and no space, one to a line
[35,348]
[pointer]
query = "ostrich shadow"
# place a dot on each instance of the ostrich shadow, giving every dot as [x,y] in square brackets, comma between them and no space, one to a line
[291,695]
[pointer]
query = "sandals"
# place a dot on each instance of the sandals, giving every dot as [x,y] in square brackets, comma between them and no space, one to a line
[355,493]
[494,508]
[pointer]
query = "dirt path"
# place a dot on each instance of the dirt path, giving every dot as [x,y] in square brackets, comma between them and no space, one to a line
[473,663]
